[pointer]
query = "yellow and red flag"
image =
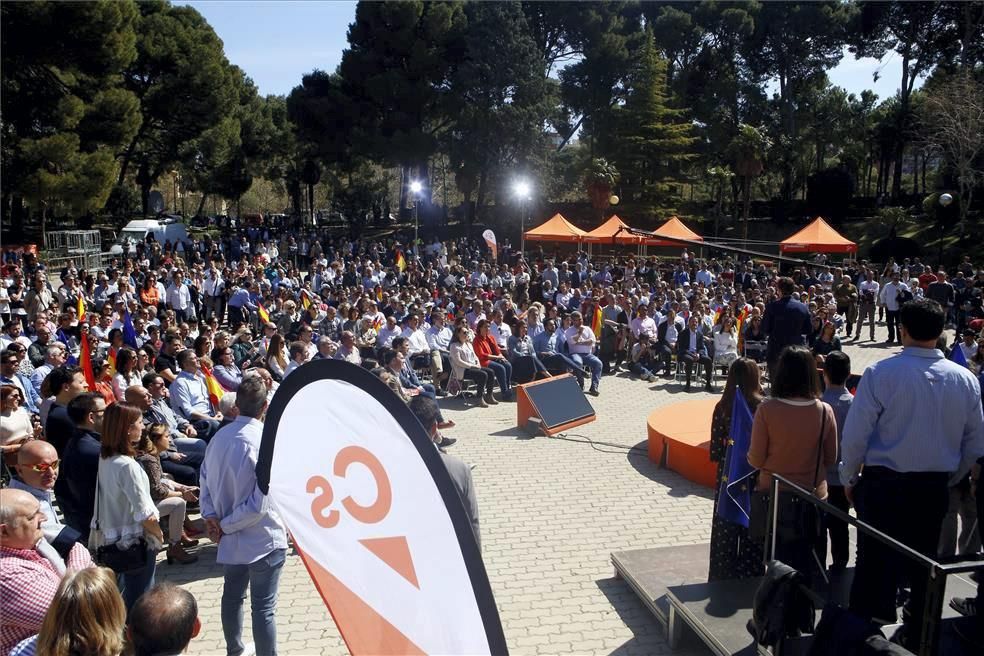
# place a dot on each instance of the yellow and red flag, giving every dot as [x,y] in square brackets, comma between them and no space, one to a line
[80,310]
[379,293]
[215,390]
[264,315]
[401,263]
[597,322]
[305,300]
[111,363]
[85,355]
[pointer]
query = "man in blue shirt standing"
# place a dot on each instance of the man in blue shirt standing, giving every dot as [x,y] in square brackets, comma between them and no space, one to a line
[252,538]
[915,425]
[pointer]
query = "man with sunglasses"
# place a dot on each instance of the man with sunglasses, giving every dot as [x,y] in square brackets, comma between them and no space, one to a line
[37,469]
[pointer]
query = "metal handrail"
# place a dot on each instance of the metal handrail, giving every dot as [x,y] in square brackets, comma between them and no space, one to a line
[937,572]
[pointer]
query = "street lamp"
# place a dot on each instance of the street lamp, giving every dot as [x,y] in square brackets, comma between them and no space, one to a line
[944,201]
[415,189]
[522,191]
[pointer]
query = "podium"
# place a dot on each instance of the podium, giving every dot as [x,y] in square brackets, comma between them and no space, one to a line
[556,404]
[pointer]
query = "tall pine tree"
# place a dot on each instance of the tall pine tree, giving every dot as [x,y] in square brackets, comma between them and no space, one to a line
[655,141]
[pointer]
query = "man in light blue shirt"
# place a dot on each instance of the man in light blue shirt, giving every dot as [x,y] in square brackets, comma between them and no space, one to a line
[251,536]
[915,425]
[189,397]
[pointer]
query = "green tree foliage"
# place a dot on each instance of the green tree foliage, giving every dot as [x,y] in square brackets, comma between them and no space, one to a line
[185,87]
[64,112]
[924,34]
[397,69]
[655,141]
[502,101]
[793,44]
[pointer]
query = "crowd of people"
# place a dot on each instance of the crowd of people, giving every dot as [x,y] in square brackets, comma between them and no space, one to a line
[118,383]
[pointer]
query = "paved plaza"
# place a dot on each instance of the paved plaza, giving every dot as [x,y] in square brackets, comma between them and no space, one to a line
[552,511]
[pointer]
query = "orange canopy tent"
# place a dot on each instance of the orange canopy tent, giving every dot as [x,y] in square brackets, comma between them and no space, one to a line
[557,228]
[674,228]
[608,230]
[818,237]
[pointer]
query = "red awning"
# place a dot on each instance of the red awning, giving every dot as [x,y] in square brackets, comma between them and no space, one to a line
[557,228]
[818,237]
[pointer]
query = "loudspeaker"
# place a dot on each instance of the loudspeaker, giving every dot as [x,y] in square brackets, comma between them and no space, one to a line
[557,402]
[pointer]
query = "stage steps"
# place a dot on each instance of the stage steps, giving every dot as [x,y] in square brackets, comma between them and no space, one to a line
[672,583]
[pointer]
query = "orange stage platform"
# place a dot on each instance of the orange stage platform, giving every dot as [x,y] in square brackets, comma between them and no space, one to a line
[683,431]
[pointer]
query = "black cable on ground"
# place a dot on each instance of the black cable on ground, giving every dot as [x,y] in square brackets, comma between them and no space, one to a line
[594,444]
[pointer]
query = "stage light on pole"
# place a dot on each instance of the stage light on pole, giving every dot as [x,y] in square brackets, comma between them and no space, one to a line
[522,191]
[415,189]
[946,199]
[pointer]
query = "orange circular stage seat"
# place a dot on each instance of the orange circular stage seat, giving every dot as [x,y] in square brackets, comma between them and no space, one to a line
[683,430]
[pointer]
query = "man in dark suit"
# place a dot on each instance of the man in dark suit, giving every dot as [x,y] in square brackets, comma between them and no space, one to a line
[786,322]
[692,349]
[667,334]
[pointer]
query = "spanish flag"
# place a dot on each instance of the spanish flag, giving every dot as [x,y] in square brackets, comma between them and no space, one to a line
[717,316]
[85,355]
[264,315]
[215,390]
[401,263]
[111,363]
[379,293]
[80,310]
[597,322]
[305,301]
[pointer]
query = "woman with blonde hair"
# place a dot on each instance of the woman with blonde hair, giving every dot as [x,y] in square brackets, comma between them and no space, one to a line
[86,617]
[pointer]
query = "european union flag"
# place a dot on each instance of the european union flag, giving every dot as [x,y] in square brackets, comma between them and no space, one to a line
[957,355]
[129,334]
[735,497]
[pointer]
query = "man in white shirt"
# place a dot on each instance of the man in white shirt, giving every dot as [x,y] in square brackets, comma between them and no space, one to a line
[500,331]
[866,303]
[890,296]
[581,343]
[179,297]
[384,339]
[643,324]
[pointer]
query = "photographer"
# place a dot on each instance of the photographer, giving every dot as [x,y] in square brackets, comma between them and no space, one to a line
[869,299]
[642,359]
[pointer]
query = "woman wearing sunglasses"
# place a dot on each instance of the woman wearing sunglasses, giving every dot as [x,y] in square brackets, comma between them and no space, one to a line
[15,423]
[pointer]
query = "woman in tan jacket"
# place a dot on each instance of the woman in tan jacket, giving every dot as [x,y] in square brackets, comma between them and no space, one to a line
[794,434]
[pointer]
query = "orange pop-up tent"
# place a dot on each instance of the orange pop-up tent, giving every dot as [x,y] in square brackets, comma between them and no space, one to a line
[557,228]
[673,228]
[604,233]
[818,237]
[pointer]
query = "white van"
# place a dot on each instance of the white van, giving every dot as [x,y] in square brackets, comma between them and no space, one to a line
[164,229]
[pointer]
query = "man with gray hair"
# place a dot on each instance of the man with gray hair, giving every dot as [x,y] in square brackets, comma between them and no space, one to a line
[251,536]
[55,356]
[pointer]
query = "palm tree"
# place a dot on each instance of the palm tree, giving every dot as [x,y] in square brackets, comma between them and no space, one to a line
[599,178]
[747,151]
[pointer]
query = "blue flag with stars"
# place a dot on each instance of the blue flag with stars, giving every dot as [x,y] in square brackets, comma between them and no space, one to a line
[735,496]
[129,334]
[957,356]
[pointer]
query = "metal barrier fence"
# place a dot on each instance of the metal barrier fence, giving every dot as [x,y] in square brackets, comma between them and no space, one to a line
[936,572]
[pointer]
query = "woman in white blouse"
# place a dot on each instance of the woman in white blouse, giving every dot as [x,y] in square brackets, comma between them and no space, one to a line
[127,372]
[725,342]
[465,364]
[125,514]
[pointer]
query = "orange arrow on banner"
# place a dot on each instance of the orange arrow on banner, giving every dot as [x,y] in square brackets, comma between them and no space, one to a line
[395,552]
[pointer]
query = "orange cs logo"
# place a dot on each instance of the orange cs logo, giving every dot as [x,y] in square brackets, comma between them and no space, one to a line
[325,496]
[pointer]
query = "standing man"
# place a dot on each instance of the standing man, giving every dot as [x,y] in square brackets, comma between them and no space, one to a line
[915,425]
[786,322]
[251,536]
[892,296]
[868,299]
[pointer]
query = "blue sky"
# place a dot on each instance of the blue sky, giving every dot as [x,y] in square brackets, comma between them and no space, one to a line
[276,42]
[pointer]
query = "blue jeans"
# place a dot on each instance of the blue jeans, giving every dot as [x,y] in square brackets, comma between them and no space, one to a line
[593,363]
[503,373]
[134,584]
[263,579]
[640,369]
[560,361]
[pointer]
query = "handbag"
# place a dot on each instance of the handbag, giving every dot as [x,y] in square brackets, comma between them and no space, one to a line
[121,561]
[795,516]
